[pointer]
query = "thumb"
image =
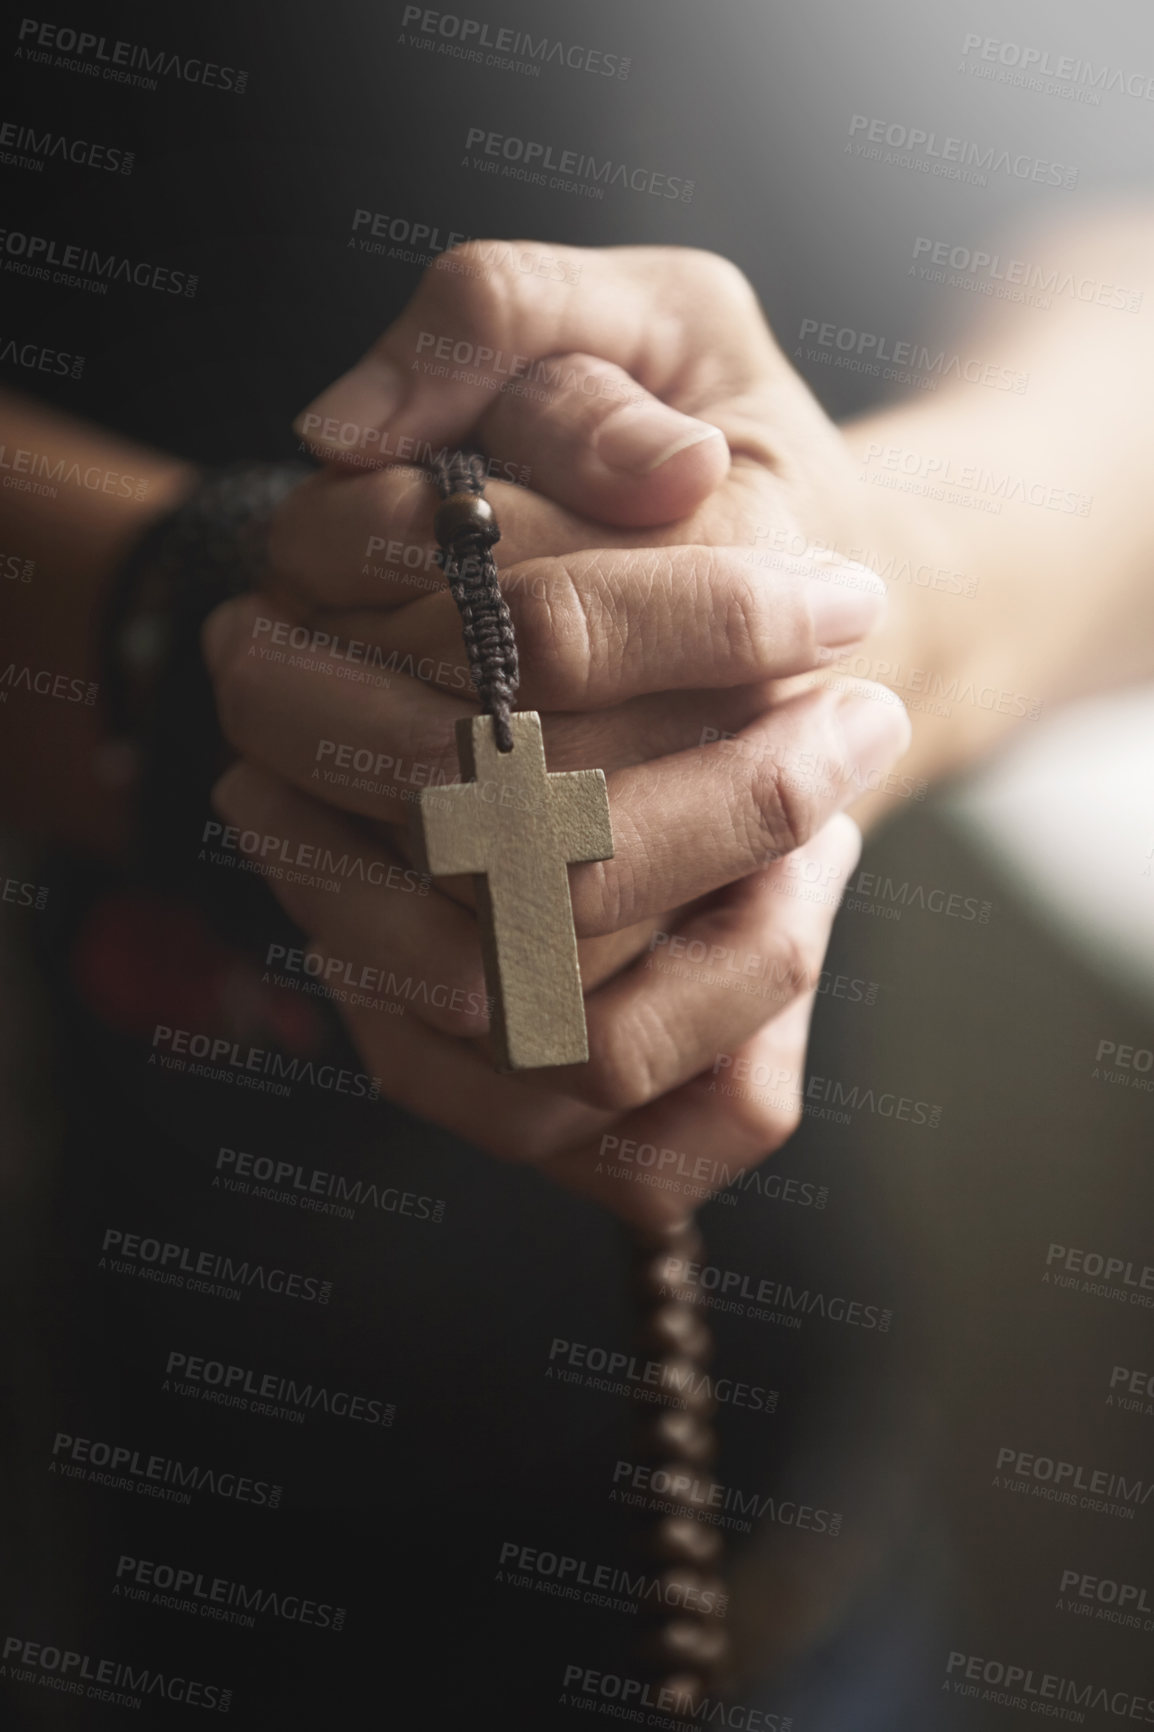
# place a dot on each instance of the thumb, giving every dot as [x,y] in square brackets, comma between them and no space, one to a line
[684,325]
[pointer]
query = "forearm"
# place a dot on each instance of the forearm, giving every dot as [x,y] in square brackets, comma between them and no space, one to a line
[1040,501]
[74,498]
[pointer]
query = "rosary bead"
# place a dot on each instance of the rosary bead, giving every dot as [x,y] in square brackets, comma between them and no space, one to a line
[681,1540]
[678,1239]
[687,1642]
[684,1693]
[465,514]
[676,1329]
[659,1276]
[680,1483]
[670,1431]
[692,1593]
[682,1384]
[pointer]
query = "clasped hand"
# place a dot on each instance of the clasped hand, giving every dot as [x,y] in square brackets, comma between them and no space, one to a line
[660,476]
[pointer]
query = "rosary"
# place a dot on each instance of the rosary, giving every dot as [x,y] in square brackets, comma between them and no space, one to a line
[515,829]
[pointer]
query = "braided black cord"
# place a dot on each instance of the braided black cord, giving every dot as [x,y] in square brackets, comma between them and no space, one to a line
[471,571]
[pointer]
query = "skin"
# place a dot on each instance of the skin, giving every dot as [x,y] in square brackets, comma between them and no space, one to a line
[661,607]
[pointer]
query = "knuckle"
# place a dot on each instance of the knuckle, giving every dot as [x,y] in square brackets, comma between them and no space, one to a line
[721,276]
[432,746]
[606,893]
[477,281]
[745,620]
[461,1008]
[555,630]
[778,809]
[634,1056]
[620,1076]
[766,1123]
[582,382]
[794,969]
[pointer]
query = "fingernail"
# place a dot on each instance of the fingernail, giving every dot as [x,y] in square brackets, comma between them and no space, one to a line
[642,436]
[876,729]
[348,412]
[219,633]
[846,602]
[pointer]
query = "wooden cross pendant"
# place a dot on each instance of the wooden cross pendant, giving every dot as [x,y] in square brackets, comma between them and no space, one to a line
[516,829]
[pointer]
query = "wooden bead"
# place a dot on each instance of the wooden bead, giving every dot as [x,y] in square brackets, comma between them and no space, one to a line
[684,1693]
[681,1238]
[676,1329]
[680,1540]
[693,1593]
[465,514]
[660,1275]
[689,1642]
[684,1385]
[670,1432]
[679,1482]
